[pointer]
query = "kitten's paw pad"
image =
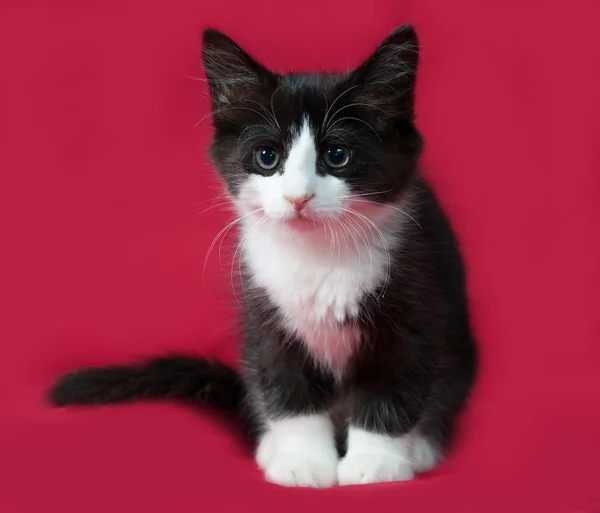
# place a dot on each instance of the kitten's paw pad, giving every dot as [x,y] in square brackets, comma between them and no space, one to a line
[312,468]
[364,468]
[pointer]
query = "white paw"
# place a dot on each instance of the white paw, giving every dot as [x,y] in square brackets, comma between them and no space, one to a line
[299,452]
[424,455]
[266,449]
[374,468]
[375,458]
[294,468]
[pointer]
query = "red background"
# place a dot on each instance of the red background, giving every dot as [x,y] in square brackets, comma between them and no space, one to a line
[102,178]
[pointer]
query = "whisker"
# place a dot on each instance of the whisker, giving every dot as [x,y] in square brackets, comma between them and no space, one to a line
[223,233]
[273,109]
[219,196]
[352,105]
[249,127]
[356,119]
[329,230]
[336,239]
[337,131]
[333,103]
[385,246]
[196,79]
[364,238]
[233,287]
[234,107]
[273,123]
[343,232]
[326,101]
[238,253]
[366,194]
[392,207]
[224,203]
[358,250]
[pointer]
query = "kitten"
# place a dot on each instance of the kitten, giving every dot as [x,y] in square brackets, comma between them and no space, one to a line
[355,315]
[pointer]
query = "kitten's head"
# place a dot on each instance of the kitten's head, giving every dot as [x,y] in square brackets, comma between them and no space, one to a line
[304,148]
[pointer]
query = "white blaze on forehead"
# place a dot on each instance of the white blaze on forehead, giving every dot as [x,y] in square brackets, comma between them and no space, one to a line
[300,167]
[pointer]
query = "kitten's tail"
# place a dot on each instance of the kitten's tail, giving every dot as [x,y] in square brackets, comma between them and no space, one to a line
[191,379]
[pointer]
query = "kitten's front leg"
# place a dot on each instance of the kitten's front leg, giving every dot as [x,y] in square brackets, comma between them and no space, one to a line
[387,406]
[375,458]
[299,450]
[292,398]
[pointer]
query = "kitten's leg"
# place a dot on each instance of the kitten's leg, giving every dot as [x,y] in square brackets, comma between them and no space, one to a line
[433,436]
[381,458]
[375,457]
[299,451]
[292,398]
[388,403]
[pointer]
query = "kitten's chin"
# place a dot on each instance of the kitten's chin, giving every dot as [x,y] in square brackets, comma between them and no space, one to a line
[302,224]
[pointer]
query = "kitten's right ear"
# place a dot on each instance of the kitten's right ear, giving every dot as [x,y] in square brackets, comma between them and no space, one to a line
[232,74]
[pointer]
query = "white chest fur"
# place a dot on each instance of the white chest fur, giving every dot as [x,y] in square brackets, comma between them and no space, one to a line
[317,288]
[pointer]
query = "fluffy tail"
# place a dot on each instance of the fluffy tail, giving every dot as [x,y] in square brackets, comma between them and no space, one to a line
[191,379]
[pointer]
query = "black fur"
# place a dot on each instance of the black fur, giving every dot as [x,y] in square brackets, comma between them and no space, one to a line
[179,377]
[417,360]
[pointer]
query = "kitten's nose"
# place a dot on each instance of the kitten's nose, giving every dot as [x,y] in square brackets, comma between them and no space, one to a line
[299,202]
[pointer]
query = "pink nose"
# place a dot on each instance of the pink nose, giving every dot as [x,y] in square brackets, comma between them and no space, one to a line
[299,202]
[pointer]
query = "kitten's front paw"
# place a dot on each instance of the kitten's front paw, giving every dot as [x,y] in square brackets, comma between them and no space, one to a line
[425,455]
[299,452]
[364,468]
[306,468]
[375,458]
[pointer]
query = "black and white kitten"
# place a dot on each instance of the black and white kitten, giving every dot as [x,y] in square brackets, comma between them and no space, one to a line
[355,316]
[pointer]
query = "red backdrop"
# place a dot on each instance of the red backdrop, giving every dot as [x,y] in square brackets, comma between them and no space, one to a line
[102,178]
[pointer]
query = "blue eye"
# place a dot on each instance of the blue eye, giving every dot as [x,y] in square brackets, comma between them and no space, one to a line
[337,156]
[267,157]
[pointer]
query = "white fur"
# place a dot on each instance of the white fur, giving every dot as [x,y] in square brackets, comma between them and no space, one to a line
[299,451]
[375,458]
[424,455]
[316,266]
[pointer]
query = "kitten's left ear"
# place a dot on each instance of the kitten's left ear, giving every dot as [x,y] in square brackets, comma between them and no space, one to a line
[232,74]
[386,80]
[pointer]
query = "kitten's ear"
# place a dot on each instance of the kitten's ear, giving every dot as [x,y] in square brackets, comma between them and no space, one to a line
[232,74]
[386,80]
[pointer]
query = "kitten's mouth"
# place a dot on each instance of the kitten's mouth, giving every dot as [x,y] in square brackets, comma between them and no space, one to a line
[302,222]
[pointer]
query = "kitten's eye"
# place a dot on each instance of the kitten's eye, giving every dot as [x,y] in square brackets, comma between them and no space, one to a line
[267,157]
[337,156]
